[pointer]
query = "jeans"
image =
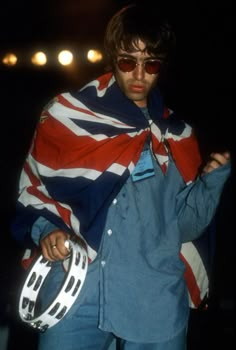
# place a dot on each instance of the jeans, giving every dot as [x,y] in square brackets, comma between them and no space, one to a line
[79,329]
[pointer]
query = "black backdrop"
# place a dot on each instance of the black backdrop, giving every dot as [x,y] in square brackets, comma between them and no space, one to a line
[199,88]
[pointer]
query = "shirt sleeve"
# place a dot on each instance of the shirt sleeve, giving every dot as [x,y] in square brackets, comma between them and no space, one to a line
[41,228]
[197,204]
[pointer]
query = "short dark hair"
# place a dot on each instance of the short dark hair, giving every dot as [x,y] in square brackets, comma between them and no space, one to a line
[136,22]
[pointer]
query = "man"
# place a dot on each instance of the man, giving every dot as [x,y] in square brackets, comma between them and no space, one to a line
[112,165]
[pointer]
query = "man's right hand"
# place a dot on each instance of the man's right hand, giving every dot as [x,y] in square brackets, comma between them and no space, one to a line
[53,245]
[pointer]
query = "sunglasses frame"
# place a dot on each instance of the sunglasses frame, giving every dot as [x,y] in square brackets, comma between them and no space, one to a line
[135,64]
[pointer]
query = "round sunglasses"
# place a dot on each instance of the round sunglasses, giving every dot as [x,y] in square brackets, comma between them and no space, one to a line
[127,64]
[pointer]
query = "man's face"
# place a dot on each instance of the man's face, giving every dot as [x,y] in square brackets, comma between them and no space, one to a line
[137,83]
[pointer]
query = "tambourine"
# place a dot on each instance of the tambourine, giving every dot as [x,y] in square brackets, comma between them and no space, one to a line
[77,264]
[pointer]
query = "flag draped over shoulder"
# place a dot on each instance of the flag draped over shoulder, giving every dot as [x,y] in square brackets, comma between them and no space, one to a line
[84,148]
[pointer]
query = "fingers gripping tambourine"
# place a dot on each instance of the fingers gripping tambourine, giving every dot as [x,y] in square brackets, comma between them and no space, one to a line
[75,275]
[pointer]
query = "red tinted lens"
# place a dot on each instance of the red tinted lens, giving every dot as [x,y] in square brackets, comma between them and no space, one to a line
[126,64]
[152,66]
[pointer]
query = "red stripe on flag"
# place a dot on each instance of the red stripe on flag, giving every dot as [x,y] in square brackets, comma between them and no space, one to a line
[192,285]
[64,213]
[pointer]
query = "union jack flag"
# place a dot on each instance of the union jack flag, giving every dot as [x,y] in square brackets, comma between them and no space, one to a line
[85,146]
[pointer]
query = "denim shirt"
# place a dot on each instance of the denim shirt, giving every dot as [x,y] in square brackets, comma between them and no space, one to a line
[138,274]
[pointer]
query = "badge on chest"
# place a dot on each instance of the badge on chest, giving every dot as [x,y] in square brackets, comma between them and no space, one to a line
[144,167]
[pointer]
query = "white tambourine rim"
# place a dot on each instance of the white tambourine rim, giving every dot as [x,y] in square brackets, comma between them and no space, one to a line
[69,291]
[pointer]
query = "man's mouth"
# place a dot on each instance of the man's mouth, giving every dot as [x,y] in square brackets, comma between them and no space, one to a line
[136,88]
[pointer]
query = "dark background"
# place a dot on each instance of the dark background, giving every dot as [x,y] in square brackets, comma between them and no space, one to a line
[198,87]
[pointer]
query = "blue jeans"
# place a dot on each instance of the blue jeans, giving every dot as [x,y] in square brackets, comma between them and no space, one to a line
[79,330]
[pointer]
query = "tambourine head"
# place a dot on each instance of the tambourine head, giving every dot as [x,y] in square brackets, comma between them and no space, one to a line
[76,268]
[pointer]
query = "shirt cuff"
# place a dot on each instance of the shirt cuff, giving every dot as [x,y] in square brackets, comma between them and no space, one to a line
[41,228]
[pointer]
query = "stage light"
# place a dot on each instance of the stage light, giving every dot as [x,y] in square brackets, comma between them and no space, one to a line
[65,57]
[9,59]
[39,58]
[94,56]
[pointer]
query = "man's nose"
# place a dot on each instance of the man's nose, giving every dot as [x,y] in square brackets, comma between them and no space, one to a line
[139,71]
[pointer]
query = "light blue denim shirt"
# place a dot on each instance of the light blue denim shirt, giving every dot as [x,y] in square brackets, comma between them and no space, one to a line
[138,273]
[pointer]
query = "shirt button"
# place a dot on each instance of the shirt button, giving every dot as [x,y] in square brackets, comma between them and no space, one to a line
[109,232]
[103,263]
[114,201]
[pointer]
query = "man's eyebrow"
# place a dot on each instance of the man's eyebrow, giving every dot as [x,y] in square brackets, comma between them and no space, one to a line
[129,55]
[125,55]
